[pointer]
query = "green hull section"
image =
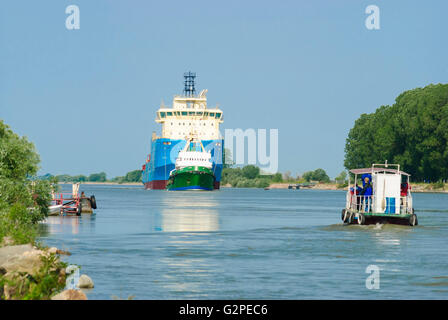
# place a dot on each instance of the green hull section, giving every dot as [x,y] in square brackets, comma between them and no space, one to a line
[191,178]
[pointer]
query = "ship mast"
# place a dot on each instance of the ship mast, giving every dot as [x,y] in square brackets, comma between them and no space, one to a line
[189,89]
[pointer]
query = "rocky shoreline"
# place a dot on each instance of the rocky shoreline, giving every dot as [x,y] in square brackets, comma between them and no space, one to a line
[31,272]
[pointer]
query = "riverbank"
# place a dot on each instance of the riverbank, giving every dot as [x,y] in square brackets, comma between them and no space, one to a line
[416,187]
[29,272]
[107,183]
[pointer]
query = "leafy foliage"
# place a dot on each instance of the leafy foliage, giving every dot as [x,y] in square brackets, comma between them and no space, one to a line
[97,177]
[247,177]
[413,133]
[49,280]
[23,201]
[316,175]
[341,178]
[132,176]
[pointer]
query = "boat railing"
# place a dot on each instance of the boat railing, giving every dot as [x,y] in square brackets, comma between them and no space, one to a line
[70,203]
[364,204]
[360,203]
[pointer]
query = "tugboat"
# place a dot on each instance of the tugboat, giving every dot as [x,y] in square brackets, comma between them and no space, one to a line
[193,169]
[385,197]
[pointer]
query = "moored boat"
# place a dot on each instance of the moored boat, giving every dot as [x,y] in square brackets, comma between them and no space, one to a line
[385,197]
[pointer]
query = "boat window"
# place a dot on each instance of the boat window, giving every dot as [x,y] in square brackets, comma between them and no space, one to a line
[191,113]
[184,113]
[169,114]
[212,114]
[218,115]
[162,114]
[205,113]
[199,113]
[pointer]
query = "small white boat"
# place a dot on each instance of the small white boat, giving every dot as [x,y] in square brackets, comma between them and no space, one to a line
[385,197]
[55,210]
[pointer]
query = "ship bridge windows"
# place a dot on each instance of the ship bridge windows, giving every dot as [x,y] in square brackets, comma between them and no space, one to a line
[212,114]
[162,115]
[169,114]
[184,113]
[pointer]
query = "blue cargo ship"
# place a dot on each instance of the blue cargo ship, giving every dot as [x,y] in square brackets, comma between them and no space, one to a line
[188,115]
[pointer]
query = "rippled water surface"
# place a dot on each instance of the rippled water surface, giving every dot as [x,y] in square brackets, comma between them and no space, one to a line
[250,244]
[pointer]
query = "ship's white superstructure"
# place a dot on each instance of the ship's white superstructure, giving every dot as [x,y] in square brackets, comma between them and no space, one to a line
[195,158]
[189,114]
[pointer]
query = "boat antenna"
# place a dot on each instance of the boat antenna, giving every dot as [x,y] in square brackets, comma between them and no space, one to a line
[189,89]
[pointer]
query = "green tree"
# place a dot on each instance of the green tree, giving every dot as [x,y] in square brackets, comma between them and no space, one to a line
[133,176]
[277,177]
[227,158]
[23,200]
[413,132]
[341,178]
[97,177]
[250,171]
[316,175]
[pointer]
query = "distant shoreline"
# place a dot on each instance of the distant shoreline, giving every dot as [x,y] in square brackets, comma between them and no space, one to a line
[107,183]
[416,188]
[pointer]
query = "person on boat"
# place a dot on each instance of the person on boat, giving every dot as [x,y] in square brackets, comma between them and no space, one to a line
[404,189]
[357,191]
[404,194]
[367,191]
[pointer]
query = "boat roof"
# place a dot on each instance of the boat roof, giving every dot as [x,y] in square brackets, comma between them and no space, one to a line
[376,170]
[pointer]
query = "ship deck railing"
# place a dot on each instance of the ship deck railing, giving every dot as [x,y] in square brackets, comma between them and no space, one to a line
[366,205]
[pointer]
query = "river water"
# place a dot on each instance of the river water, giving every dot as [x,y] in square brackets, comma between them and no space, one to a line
[250,244]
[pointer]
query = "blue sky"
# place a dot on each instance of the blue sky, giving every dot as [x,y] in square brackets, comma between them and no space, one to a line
[87,98]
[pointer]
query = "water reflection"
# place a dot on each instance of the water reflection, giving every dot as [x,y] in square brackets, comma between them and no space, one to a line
[197,213]
[186,267]
[70,224]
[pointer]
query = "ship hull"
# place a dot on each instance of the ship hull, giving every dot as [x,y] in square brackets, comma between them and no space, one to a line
[164,152]
[191,178]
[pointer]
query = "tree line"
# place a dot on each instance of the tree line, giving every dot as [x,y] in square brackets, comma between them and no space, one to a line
[413,132]
[250,176]
[131,176]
